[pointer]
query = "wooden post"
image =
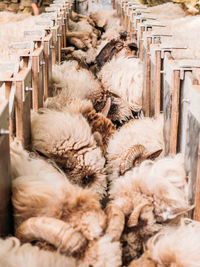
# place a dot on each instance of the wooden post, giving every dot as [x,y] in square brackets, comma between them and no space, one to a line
[37,78]
[175,112]
[47,68]
[141,47]
[157,82]
[125,16]
[65,32]
[5,175]
[8,85]
[148,78]
[22,108]
[54,45]
[114,4]
[196,214]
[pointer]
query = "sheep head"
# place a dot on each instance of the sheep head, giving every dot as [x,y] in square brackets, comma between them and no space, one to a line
[110,103]
[108,51]
[134,156]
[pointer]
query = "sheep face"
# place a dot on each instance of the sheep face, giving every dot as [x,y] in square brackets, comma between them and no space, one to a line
[108,51]
[119,111]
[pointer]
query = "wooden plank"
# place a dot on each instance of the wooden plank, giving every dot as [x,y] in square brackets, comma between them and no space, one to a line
[37,79]
[8,86]
[47,68]
[147,77]
[141,45]
[22,110]
[175,112]
[157,83]
[54,45]
[5,175]
[196,215]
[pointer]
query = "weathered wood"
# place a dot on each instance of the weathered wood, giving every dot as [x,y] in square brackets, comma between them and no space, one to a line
[175,112]
[5,175]
[54,45]
[147,77]
[141,45]
[47,68]
[23,107]
[37,79]
[114,4]
[196,214]
[8,86]
[157,105]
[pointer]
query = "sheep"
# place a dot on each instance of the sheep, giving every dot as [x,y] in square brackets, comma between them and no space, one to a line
[12,253]
[82,32]
[127,81]
[71,145]
[87,87]
[108,20]
[174,246]
[46,202]
[107,253]
[100,252]
[144,140]
[115,47]
[101,127]
[148,197]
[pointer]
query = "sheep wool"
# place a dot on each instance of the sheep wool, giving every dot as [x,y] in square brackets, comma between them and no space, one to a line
[149,198]
[12,254]
[174,246]
[126,81]
[38,185]
[73,147]
[144,139]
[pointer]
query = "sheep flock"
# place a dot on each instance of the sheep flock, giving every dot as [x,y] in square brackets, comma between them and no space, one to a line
[96,189]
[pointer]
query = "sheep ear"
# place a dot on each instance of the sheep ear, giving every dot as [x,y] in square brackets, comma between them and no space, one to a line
[106,108]
[178,211]
[153,155]
[174,212]
[135,152]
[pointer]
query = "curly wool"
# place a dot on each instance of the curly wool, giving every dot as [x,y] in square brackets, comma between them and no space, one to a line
[71,144]
[12,254]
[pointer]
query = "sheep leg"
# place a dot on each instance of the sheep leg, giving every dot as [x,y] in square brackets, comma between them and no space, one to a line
[54,231]
[116,221]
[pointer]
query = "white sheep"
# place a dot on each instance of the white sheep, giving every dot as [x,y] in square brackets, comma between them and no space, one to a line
[12,254]
[48,207]
[68,140]
[87,87]
[102,128]
[174,246]
[133,143]
[124,76]
[149,197]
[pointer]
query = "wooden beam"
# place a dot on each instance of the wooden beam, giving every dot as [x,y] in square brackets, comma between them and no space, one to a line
[5,175]
[157,104]
[196,214]
[141,48]
[22,109]
[148,78]
[175,112]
